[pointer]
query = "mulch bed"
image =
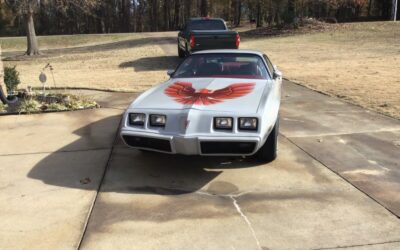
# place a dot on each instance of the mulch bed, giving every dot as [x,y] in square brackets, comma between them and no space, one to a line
[68,102]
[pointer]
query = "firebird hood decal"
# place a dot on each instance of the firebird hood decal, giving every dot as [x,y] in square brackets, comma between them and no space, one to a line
[184,93]
[213,94]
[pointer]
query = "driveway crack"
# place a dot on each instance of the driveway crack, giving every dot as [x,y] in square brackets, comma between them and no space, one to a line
[360,245]
[86,223]
[239,210]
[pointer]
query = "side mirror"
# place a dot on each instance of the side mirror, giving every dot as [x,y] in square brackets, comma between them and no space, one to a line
[277,74]
[170,72]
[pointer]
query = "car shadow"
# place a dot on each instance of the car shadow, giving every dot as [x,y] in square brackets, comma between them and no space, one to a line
[125,44]
[152,63]
[82,163]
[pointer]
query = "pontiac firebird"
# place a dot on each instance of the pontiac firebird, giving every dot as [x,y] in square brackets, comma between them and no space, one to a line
[216,102]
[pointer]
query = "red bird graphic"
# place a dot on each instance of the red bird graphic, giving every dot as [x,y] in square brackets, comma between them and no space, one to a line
[184,93]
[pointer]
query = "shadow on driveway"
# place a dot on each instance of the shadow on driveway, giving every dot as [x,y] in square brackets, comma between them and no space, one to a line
[126,44]
[129,170]
[152,63]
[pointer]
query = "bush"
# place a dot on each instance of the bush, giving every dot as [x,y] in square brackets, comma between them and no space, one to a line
[56,107]
[3,107]
[29,106]
[74,102]
[11,78]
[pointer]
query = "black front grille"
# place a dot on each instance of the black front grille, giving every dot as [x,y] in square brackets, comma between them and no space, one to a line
[146,142]
[236,147]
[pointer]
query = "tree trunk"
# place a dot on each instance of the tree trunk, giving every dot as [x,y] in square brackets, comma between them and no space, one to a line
[154,15]
[204,8]
[395,10]
[166,15]
[259,14]
[33,48]
[386,8]
[187,9]
[290,11]
[176,14]
[239,12]
[369,7]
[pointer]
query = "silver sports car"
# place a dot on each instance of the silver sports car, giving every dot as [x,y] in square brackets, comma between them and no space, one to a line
[217,102]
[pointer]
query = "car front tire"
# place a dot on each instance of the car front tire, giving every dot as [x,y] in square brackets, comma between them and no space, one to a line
[268,152]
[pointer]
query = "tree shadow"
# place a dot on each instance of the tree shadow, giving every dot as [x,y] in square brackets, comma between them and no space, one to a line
[81,164]
[125,44]
[152,63]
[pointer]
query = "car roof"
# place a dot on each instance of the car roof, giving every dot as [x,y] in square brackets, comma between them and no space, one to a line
[230,51]
[205,18]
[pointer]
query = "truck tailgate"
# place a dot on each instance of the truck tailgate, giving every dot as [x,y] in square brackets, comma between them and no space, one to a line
[214,39]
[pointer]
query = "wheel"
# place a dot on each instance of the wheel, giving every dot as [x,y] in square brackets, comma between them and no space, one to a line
[181,53]
[268,152]
[187,53]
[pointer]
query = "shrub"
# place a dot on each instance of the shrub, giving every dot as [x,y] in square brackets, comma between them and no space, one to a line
[56,107]
[3,107]
[11,78]
[28,106]
[79,102]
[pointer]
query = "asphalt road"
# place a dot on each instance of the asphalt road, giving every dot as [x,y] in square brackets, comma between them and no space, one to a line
[67,181]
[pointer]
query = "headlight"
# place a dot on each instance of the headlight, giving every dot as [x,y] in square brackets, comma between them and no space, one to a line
[223,123]
[248,123]
[137,119]
[158,120]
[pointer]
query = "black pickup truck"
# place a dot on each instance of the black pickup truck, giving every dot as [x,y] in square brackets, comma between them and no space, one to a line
[206,33]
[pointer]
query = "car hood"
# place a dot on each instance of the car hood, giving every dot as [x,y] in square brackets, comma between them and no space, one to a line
[213,94]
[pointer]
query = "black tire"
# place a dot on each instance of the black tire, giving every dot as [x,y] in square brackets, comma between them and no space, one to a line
[268,152]
[181,53]
[187,53]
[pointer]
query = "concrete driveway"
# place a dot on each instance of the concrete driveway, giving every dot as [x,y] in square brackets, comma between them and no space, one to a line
[335,184]
[67,181]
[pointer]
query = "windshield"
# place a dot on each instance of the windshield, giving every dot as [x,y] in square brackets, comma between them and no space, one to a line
[223,65]
[206,25]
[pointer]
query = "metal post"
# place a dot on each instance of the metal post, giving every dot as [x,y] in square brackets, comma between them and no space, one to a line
[395,11]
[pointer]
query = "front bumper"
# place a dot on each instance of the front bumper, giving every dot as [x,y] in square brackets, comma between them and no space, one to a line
[201,145]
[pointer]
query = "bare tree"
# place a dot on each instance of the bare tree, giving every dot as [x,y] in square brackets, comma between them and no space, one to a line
[27,9]
[259,19]
[204,8]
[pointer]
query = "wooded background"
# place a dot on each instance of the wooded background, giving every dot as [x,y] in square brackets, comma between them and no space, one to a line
[109,16]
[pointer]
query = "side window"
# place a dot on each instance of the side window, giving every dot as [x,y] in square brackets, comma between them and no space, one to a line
[269,64]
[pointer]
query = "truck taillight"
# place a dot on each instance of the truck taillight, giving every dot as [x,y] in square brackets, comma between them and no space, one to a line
[192,41]
[237,40]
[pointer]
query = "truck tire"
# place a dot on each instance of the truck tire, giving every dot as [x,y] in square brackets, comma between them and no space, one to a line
[181,53]
[268,152]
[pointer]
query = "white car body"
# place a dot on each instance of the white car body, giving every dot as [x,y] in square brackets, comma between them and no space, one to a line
[190,126]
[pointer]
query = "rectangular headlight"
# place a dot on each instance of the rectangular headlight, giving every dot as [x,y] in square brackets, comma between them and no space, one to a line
[223,123]
[137,119]
[248,123]
[158,120]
